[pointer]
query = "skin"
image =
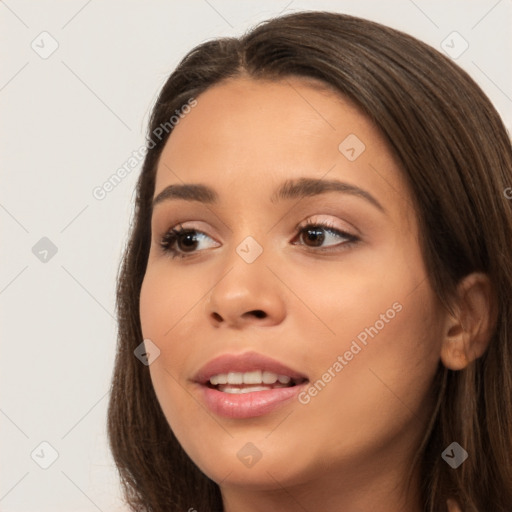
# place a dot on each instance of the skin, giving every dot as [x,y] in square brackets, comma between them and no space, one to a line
[350,448]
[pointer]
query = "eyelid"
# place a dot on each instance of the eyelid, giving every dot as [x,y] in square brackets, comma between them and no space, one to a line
[181,228]
[193,225]
[314,219]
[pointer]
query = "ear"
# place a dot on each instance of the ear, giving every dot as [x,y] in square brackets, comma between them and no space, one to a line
[468,331]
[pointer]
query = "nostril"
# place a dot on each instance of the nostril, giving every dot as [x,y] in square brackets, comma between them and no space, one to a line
[258,313]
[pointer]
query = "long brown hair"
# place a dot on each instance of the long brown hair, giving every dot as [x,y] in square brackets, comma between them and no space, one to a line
[457,159]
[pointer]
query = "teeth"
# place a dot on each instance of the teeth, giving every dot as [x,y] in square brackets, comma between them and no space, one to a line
[235,378]
[219,379]
[226,388]
[245,389]
[254,377]
[269,377]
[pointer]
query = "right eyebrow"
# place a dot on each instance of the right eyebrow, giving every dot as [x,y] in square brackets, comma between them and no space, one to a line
[188,192]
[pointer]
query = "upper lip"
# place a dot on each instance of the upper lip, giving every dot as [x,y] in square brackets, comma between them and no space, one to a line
[245,362]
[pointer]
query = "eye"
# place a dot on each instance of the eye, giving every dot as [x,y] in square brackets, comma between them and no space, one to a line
[181,242]
[318,232]
[186,240]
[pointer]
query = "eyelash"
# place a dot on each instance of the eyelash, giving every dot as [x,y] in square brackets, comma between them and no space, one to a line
[168,240]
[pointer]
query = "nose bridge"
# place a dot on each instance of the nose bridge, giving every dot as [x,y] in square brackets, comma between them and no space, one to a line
[248,288]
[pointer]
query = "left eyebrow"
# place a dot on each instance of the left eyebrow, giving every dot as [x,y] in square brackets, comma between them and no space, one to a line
[306,187]
[289,189]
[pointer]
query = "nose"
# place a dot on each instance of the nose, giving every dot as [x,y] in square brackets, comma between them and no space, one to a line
[248,294]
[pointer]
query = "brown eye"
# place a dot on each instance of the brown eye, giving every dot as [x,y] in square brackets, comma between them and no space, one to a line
[187,240]
[181,242]
[314,235]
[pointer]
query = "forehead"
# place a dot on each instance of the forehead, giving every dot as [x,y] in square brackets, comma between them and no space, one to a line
[282,113]
[251,134]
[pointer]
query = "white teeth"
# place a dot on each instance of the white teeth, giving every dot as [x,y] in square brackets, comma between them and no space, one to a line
[269,377]
[246,389]
[219,379]
[254,377]
[235,378]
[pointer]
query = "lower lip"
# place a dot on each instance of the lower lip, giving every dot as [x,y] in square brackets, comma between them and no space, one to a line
[248,405]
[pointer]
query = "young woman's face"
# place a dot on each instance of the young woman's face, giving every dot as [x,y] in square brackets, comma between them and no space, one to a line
[348,307]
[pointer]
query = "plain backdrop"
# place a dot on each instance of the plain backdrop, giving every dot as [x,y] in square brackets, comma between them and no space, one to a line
[77,82]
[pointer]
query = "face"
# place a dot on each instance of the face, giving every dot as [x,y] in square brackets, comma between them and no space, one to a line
[326,280]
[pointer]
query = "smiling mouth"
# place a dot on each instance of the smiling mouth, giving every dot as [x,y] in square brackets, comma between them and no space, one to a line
[250,382]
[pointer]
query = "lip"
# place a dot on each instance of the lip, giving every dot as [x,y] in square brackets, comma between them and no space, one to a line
[246,405]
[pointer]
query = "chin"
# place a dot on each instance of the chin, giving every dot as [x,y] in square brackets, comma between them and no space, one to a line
[267,473]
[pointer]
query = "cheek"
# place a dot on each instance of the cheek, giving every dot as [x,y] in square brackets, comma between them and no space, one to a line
[166,302]
[168,306]
[382,311]
[373,367]
[383,366]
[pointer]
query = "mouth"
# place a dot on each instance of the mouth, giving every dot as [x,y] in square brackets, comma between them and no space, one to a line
[252,382]
[247,385]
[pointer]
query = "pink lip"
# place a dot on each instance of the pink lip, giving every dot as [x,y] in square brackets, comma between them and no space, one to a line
[246,405]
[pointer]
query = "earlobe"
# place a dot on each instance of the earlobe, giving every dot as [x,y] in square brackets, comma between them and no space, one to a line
[469,329]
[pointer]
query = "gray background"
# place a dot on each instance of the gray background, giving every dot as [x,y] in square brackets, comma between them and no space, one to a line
[68,121]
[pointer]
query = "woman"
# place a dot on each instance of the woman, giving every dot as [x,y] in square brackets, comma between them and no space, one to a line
[319,267]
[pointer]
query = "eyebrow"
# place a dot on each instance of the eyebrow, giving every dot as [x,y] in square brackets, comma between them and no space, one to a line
[290,189]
